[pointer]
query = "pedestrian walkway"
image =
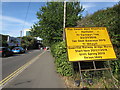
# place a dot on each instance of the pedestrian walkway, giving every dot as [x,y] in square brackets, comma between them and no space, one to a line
[41,74]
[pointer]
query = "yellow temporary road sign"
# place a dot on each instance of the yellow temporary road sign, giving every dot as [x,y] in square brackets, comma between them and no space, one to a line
[89,43]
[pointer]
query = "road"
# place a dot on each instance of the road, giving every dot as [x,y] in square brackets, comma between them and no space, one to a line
[12,63]
[40,74]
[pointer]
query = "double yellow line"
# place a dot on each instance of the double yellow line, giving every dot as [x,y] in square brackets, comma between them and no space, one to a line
[15,73]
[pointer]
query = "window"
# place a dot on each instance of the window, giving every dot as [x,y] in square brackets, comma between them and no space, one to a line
[27,33]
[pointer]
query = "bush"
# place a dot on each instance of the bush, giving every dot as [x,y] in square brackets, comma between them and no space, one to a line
[64,67]
[107,18]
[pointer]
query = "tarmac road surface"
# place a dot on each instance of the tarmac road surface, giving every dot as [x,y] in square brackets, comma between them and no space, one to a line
[40,74]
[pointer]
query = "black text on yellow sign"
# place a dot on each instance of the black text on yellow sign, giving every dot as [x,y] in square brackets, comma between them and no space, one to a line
[89,43]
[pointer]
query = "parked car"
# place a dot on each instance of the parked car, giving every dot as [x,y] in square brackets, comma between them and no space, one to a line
[18,50]
[4,51]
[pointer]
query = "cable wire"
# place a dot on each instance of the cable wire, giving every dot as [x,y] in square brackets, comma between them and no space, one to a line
[26,16]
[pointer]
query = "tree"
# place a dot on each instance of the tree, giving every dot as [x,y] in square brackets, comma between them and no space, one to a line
[3,40]
[107,18]
[50,25]
[28,42]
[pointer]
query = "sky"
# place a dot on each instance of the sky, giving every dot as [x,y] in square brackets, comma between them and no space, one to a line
[17,16]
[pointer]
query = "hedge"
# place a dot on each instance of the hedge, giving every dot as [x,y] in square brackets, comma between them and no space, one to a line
[64,67]
[110,18]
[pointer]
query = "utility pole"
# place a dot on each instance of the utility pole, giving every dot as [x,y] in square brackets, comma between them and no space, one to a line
[64,20]
[20,37]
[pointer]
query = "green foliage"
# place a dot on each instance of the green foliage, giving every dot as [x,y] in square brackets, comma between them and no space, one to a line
[64,67]
[4,44]
[3,40]
[50,25]
[107,18]
[28,42]
[116,66]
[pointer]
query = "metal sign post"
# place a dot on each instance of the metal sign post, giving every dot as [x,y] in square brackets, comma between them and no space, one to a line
[94,64]
[81,74]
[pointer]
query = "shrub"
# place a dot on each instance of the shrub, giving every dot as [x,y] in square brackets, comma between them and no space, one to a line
[107,18]
[64,67]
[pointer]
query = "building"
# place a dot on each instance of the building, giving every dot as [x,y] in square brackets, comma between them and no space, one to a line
[39,40]
[26,32]
[13,41]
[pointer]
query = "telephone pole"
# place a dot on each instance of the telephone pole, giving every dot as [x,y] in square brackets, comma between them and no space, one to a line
[64,20]
[20,37]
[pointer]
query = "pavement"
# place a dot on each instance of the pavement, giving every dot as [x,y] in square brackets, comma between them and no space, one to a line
[40,74]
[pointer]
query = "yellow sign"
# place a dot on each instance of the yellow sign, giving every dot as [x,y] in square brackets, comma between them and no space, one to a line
[89,43]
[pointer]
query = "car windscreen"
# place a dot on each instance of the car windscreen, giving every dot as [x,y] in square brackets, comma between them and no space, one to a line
[16,48]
